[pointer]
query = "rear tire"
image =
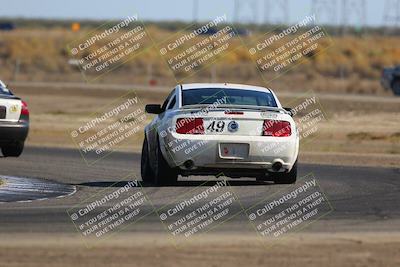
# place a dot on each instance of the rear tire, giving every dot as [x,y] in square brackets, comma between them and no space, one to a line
[162,173]
[286,177]
[145,169]
[13,150]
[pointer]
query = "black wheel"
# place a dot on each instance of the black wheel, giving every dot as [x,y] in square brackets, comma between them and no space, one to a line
[286,177]
[13,150]
[145,168]
[396,87]
[163,173]
[158,173]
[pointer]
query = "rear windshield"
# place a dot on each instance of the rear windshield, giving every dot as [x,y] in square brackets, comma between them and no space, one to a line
[228,97]
[4,91]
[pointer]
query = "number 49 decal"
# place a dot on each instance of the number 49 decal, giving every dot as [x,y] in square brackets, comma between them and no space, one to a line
[216,126]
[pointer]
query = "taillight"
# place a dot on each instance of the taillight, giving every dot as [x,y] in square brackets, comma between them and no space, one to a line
[24,109]
[276,128]
[189,126]
[234,112]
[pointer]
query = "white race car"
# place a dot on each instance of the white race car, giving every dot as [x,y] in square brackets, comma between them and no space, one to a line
[220,129]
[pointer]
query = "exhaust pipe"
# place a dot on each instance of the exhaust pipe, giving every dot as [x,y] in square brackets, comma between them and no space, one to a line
[189,164]
[277,165]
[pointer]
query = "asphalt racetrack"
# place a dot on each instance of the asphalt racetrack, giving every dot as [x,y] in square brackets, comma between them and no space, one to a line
[362,198]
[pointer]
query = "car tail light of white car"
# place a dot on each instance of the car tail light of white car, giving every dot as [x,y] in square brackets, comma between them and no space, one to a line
[277,128]
[189,126]
[24,108]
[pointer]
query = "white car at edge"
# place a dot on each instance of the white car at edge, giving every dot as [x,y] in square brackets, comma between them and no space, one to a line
[14,123]
[225,129]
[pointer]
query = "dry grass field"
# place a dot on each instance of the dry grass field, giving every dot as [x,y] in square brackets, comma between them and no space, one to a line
[350,64]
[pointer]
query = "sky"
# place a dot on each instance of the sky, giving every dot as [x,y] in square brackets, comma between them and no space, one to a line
[157,10]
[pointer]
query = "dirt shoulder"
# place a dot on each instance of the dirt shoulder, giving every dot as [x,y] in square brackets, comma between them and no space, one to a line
[346,249]
[351,159]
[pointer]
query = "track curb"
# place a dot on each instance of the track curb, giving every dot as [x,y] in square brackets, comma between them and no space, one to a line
[24,189]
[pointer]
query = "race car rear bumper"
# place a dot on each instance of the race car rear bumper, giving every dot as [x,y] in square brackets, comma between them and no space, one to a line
[13,131]
[201,154]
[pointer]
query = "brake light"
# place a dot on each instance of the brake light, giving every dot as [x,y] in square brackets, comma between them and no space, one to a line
[24,108]
[189,126]
[276,128]
[234,112]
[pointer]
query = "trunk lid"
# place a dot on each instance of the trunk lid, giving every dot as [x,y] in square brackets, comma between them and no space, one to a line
[10,108]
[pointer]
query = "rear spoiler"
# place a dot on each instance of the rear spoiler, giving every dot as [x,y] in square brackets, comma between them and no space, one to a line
[236,107]
[4,96]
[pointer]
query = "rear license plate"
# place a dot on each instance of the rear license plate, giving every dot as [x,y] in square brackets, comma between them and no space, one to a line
[2,112]
[233,151]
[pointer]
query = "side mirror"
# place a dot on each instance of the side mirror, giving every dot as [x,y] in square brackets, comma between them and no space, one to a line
[153,109]
[290,111]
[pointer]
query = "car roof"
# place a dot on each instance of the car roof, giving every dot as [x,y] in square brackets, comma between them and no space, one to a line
[189,86]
